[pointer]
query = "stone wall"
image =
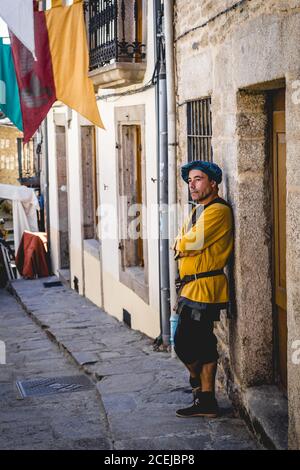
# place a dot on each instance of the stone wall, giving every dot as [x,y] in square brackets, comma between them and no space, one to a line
[9,170]
[293,250]
[237,56]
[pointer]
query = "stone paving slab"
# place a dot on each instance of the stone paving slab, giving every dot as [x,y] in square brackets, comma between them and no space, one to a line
[140,389]
[61,421]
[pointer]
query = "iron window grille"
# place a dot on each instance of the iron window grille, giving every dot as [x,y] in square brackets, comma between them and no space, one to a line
[114,31]
[199,129]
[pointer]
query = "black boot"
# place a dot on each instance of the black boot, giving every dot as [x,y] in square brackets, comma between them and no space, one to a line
[205,404]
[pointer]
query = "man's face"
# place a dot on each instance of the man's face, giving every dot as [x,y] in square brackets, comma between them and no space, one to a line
[200,186]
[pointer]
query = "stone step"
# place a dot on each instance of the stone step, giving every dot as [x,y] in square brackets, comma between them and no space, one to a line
[267,411]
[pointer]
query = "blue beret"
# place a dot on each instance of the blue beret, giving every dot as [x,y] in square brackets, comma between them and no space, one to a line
[210,169]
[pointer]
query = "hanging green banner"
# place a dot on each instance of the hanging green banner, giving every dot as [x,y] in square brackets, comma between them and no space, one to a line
[9,91]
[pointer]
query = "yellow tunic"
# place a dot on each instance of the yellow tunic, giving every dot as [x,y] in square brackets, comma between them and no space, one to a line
[206,246]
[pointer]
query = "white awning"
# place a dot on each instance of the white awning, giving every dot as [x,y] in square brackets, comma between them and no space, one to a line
[25,205]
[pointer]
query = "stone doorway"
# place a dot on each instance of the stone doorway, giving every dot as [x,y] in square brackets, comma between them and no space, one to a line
[278,163]
[260,328]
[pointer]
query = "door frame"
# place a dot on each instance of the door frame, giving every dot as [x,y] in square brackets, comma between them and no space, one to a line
[276,352]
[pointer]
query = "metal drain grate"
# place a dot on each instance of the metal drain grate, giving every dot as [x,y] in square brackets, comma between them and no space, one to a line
[52,284]
[47,386]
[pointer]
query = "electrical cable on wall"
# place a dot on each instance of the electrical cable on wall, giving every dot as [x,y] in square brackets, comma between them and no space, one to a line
[223,12]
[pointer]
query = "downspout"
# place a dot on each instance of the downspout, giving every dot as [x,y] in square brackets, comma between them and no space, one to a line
[47,205]
[172,187]
[156,55]
[163,180]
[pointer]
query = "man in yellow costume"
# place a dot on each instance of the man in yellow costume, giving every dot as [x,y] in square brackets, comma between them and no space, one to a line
[202,248]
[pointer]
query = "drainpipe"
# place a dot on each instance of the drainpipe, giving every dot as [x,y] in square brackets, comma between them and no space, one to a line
[156,54]
[47,205]
[163,182]
[172,187]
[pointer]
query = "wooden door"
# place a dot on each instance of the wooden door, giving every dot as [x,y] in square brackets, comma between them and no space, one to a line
[89,182]
[131,187]
[62,186]
[279,252]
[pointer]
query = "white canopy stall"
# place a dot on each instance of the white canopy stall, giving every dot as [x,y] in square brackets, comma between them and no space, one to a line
[25,205]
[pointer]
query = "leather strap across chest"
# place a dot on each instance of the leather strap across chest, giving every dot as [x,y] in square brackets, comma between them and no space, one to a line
[194,277]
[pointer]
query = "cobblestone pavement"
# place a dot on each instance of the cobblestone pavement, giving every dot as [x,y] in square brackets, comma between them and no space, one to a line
[136,391]
[60,421]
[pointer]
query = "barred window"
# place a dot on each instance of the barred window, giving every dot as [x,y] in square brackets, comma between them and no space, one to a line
[199,128]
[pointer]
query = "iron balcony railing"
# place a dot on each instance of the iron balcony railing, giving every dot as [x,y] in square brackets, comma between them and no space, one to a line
[114,31]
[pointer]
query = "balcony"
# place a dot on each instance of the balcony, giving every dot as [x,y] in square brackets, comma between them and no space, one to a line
[115,34]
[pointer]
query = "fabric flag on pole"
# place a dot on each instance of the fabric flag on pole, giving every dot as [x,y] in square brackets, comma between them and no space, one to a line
[70,59]
[18,15]
[61,70]
[35,77]
[9,92]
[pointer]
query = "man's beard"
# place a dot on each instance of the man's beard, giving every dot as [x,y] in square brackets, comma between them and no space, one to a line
[204,195]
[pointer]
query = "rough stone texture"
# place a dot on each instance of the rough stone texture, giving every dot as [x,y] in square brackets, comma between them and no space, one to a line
[237,58]
[268,410]
[251,156]
[140,389]
[293,288]
[250,335]
[293,245]
[9,168]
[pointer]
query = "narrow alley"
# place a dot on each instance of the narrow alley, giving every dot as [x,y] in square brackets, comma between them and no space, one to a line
[134,391]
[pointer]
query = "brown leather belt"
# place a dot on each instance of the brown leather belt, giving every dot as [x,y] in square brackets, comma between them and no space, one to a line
[194,277]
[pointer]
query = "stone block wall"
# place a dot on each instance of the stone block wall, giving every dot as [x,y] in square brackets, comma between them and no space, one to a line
[9,169]
[237,53]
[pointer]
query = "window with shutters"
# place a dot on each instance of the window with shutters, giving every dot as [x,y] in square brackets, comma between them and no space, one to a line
[199,128]
[132,199]
[131,189]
